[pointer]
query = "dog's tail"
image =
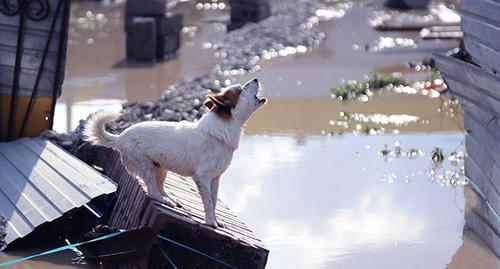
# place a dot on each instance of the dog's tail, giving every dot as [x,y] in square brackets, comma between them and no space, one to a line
[94,131]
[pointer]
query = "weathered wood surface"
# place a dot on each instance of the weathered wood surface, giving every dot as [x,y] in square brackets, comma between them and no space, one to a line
[483,117]
[234,244]
[479,93]
[470,82]
[481,219]
[40,181]
[36,35]
[481,27]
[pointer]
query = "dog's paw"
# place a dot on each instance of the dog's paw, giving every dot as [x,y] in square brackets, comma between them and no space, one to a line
[220,224]
[172,202]
[211,223]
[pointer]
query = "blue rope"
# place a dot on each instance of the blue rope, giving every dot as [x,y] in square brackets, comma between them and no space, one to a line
[196,251]
[72,246]
[55,250]
[168,258]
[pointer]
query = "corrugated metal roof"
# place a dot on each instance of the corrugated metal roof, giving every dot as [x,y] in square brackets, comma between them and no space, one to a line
[39,182]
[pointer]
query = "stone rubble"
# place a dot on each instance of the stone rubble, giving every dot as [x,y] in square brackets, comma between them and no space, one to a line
[292,28]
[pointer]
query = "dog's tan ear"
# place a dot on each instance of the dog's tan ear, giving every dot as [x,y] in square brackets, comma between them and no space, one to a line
[217,101]
[209,104]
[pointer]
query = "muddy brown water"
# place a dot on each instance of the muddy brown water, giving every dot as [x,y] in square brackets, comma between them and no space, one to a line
[317,194]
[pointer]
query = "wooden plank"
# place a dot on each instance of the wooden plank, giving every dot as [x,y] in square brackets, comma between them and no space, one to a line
[474,202]
[482,30]
[483,159]
[490,144]
[474,173]
[485,118]
[40,27]
[466,91]
[26,82]
[34,40]
[133,208]
[470,82]
[31,59]
[482,8]
[469,75]
[483,231]
[483,55]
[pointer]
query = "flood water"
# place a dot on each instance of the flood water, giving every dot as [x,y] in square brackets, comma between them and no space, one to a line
[318,193]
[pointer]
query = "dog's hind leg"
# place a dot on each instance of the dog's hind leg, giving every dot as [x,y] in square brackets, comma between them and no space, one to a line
[160,177]
[146,171]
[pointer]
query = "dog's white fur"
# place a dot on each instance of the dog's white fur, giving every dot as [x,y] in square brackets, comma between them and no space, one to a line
[202,150]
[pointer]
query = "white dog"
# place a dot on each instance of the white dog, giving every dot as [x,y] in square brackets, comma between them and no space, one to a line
[202,150]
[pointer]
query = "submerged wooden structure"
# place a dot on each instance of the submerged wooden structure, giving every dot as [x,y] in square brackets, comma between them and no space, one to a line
[234,244]
[472,77]
[40,182]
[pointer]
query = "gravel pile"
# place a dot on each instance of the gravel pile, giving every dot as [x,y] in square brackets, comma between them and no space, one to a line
[293,28]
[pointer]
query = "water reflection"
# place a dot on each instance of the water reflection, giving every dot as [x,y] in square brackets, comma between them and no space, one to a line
[317,205]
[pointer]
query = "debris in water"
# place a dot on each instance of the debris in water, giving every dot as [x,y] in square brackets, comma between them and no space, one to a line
[437,155]
[398,151]
[450,173]
[456,157]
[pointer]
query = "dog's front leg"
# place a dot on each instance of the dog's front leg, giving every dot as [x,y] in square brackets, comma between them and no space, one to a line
[215,190]
[205,189]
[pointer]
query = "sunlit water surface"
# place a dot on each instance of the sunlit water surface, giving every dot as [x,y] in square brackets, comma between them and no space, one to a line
[318,195]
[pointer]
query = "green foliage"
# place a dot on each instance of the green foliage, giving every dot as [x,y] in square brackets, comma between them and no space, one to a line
[352,90]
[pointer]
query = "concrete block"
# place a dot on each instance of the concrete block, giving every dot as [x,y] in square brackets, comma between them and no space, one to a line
[249,12]
[169,23]
[141,39]
[167,45]
[145,8]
